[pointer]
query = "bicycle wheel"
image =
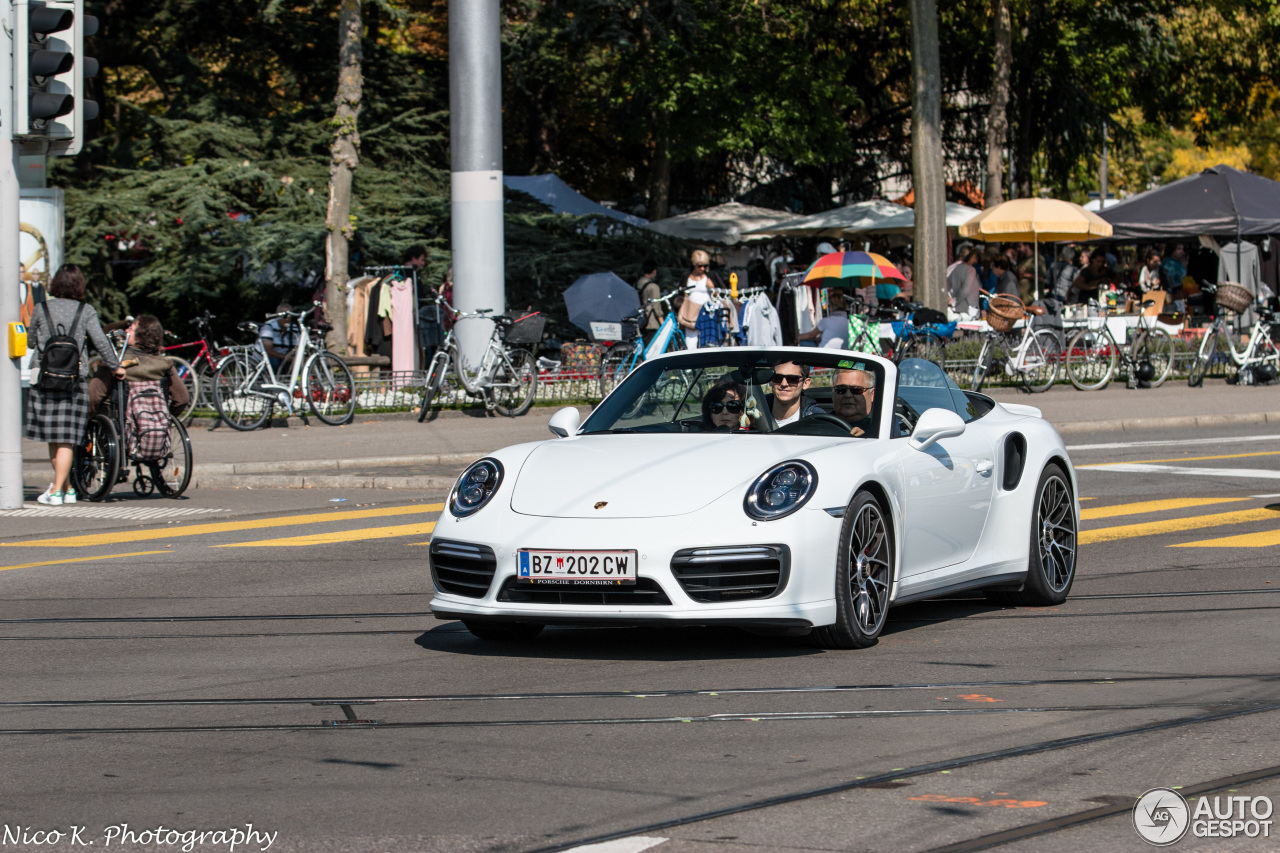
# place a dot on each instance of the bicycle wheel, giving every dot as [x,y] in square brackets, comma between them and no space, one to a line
[174,474]
[204,372]
[435,381]
[95,462]
[191,380]
[1204,357]
[330,388]
[236,405]
[521,381]
[929,348]
[986,357]
[1155,348]
[613,367]
[1091,359]
[1040,361]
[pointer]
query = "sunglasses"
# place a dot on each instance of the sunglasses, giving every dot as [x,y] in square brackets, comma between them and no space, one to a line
[699,266]
[734,407]
[851,389]
[787,379]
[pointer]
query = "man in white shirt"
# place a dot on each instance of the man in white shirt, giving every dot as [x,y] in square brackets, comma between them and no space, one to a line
[833,327]
[787,402]
[279,337]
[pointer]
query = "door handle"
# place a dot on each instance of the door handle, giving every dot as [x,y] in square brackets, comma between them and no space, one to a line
[985,466]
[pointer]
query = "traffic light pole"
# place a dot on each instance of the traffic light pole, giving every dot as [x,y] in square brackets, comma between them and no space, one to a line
[475,140]
[10,285]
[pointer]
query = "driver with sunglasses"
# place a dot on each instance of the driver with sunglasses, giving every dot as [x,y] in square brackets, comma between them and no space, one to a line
[852,396]
[788,402]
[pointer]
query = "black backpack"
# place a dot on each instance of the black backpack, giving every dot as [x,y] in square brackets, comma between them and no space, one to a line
[60,356]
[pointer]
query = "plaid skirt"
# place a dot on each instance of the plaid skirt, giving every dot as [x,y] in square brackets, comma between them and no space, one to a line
[58,416]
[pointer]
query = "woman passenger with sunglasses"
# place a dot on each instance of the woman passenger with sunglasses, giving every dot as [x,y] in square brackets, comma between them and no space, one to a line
[723,406]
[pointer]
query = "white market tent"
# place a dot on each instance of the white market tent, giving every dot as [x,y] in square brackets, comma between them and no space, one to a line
[864,217]
[727,224]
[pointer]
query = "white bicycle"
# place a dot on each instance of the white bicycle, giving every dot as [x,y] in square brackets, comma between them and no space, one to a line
[246,389]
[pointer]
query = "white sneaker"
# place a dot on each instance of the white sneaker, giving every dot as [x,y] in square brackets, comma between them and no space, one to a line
[50,498]
[69,496]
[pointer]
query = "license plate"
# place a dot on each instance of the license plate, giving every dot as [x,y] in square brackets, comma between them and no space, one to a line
[582,568]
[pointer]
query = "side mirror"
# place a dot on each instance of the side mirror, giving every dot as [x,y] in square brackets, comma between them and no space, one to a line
[936,424]
[565,422]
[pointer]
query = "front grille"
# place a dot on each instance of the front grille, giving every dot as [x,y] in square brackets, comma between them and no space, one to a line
[461,568]
[732,573]
[646,591]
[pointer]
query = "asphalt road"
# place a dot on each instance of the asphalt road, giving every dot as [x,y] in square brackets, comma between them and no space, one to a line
[161,660]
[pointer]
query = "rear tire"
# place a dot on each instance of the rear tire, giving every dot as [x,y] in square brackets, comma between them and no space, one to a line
[1091,359]
[173,477]
[504,632]
[864,575]
[1157,348]
[1051,565]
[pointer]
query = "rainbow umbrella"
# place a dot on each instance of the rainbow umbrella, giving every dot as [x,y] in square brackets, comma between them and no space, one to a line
[851,269]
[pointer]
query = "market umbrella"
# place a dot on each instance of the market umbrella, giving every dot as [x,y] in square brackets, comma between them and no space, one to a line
[1036,219]
[851,269]
[601,297]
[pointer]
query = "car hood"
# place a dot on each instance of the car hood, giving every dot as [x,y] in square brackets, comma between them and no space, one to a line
[646,476]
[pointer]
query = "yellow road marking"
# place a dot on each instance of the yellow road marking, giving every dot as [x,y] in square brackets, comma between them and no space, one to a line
[1174,525]
[1263,539]
[221,527]
[340,536]
[80,560]
[1150,506]
[1086,499]
[1184,459]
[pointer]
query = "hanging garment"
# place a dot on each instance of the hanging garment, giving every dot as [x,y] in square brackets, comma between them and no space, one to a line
[708,324]
[787,316]
[1239,262]
[806,310]
[357,313]
[404,345]
[373,337]
[764,329]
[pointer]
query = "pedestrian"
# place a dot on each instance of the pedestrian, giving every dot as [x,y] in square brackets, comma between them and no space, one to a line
[648,290]
[58,408]
[698,287]
[279,336]
[963,286]
[1006,279]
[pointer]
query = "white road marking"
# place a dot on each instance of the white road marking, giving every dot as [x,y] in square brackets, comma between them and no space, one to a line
[1142,468]
[1176,442]
[88,510]
[634,844]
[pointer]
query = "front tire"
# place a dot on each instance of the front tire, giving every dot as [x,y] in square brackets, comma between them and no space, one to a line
[986,357]
[95,463]
[233,399]
[330,389]
[522,382]
[1156,348]
[435,381]
[1208,349]
[864,573]
[1041,361]
[504,632]
[1051,565]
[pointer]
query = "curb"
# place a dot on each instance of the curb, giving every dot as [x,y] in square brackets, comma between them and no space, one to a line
[313,465]
[295,421]
[1138,424]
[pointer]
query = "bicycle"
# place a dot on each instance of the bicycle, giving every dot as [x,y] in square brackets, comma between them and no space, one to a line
[1092,354]
[622,358]
[206,361]
[1032,354]
[927,341]
[246,389]
[507,378]
[98,461]
[1260,359]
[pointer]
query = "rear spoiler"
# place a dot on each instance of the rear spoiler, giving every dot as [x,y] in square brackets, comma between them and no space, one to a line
[1025,411]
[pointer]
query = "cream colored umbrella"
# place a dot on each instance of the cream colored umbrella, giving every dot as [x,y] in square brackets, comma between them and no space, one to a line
[1036,219]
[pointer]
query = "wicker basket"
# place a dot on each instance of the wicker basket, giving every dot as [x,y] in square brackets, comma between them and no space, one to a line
[1004,311]
[1234,297]
[526,329]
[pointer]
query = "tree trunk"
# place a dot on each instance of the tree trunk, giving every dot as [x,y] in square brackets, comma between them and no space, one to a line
[660,171]
[344,157]
[998,115]
[926,157]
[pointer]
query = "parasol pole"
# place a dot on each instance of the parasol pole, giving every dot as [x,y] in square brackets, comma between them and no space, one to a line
[1035,269]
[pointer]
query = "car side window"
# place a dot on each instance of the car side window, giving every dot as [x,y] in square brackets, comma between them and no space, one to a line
[924,385]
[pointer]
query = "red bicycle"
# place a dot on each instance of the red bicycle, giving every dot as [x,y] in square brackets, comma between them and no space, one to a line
[197,374]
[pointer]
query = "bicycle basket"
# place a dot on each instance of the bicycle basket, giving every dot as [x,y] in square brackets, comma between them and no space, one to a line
[1234,297]
[525,329]
[1004,311]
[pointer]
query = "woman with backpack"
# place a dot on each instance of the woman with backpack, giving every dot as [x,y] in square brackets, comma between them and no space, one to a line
[58,406]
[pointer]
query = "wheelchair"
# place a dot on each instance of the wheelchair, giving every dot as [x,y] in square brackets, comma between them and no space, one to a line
[101,460]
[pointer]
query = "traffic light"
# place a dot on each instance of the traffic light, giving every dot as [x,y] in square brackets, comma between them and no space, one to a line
[49,72]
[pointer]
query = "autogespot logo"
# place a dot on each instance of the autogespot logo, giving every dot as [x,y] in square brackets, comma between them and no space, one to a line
[1161,816]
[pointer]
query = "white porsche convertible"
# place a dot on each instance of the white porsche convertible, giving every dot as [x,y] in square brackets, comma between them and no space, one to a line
[785,489]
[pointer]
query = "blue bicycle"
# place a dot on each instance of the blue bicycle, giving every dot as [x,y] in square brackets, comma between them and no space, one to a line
[626,355]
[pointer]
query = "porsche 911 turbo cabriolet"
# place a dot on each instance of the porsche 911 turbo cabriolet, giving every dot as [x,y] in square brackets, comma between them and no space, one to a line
[783,489]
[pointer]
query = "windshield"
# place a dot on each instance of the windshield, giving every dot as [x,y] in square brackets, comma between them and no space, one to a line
[746,392]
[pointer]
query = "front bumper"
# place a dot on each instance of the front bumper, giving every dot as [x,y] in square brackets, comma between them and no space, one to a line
[804,599]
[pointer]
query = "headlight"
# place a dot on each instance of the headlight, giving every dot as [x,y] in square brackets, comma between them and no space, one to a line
[474,488]
[781,490]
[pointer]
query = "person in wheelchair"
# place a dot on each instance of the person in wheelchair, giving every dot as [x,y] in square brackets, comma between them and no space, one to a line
[852,396]
[143,360]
